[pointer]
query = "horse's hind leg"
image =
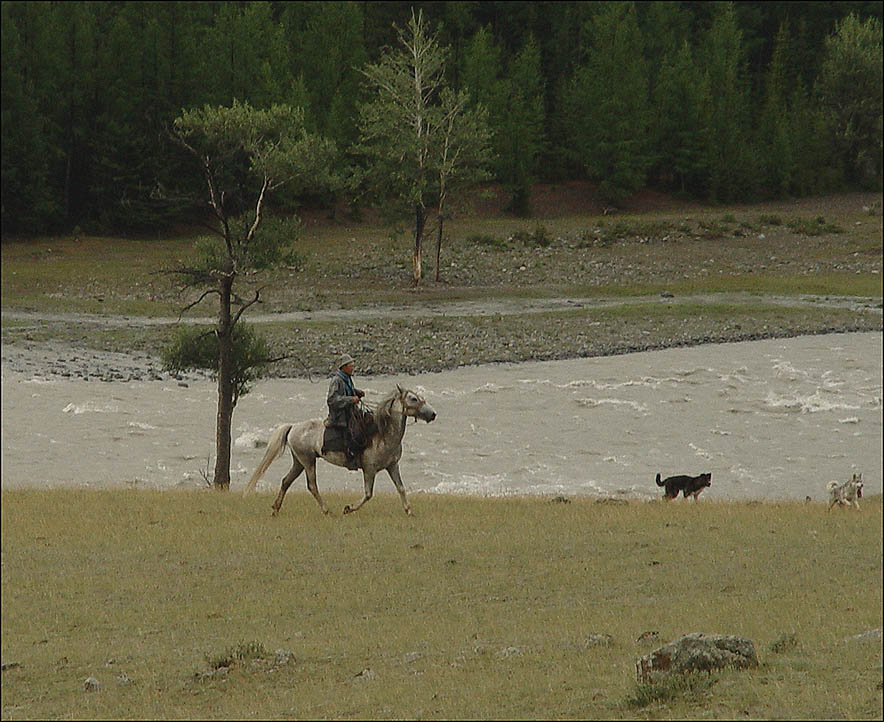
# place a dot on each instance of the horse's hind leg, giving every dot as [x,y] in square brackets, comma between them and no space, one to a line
[313,488]
[393,471]
[287,480]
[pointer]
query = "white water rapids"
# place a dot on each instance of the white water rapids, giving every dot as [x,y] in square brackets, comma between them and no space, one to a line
[773,419]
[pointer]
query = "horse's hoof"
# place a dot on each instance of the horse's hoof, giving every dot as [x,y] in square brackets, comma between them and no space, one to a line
[275,512]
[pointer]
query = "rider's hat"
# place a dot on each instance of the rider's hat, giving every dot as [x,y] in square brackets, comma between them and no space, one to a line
[343,360]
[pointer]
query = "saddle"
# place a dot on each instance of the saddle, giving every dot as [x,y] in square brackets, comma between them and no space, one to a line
[352,440]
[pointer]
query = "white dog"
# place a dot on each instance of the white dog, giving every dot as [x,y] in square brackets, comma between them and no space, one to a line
[850,492]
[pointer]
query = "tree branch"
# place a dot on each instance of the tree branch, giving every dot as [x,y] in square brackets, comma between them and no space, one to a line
[259,208]
[197,302]
[244,307]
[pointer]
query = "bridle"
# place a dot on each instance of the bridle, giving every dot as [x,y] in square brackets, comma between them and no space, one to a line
[406,407]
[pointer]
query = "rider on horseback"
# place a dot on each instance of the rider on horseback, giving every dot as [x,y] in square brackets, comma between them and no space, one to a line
[343,412]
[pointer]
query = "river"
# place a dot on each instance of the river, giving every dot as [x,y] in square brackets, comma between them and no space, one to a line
[771,419]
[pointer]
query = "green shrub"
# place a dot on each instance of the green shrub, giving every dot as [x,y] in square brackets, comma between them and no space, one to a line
[766,219]
[784,643]
[713,229]
[540,237]
[691,685]
[243,652]
[813,226]
[486,239]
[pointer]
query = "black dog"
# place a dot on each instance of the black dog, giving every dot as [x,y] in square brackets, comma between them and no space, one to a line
[689,485]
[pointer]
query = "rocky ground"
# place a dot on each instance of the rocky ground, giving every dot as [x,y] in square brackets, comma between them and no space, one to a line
[412,340]
[548,288]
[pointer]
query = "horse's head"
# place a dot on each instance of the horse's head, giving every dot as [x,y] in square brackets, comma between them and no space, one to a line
[415,405]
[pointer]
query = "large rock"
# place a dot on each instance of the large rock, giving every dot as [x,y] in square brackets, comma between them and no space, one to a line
[696,652]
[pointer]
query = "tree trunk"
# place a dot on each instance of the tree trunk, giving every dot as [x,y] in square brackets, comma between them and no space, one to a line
[224,332]
[420,219]
[438,248]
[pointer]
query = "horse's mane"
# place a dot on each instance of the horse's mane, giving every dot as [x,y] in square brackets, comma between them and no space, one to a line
[383,414]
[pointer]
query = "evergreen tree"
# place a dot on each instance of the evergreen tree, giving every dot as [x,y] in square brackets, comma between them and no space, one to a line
[519,127]
[775,129]
[564,49]
[666,26]
[731,158]
[27,199]
[850,91]
[813,169]
[243,57]
[608,104]
[326,41]
[482,67]
[680,125]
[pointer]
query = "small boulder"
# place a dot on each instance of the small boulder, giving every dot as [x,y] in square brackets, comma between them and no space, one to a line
[870,635]
[696,653]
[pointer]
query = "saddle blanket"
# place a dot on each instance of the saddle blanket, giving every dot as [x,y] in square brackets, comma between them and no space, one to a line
[334,439]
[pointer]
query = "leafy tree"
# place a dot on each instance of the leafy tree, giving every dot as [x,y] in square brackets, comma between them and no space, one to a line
[407,125]
[195,348]
[275,149]
[850,90]
[608,104]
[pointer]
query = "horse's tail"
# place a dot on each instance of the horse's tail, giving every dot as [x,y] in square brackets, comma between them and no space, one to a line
[659,483]
[275,447]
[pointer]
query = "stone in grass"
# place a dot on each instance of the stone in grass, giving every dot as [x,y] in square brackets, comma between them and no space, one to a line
[870,635]
[696,653]
[597,640]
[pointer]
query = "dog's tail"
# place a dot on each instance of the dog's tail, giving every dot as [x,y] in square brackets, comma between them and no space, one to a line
[831,485]
[275,447]
[659,483]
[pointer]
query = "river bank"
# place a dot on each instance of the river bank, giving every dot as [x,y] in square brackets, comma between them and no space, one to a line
[433,338]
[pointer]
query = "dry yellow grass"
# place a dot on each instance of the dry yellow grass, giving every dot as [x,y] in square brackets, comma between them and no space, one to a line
[475,608]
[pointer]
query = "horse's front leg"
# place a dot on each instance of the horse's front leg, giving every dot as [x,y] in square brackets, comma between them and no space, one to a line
[368,481]
[393,471]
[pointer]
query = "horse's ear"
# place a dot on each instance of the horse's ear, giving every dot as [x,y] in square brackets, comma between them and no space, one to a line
[399,388]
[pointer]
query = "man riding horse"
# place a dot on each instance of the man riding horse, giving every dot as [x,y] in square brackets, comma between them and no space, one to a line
[344,413]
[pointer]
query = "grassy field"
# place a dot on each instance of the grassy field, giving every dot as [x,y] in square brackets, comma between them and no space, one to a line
[200,606]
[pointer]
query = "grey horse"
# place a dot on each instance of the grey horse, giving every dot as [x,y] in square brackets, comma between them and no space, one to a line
[384,449]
